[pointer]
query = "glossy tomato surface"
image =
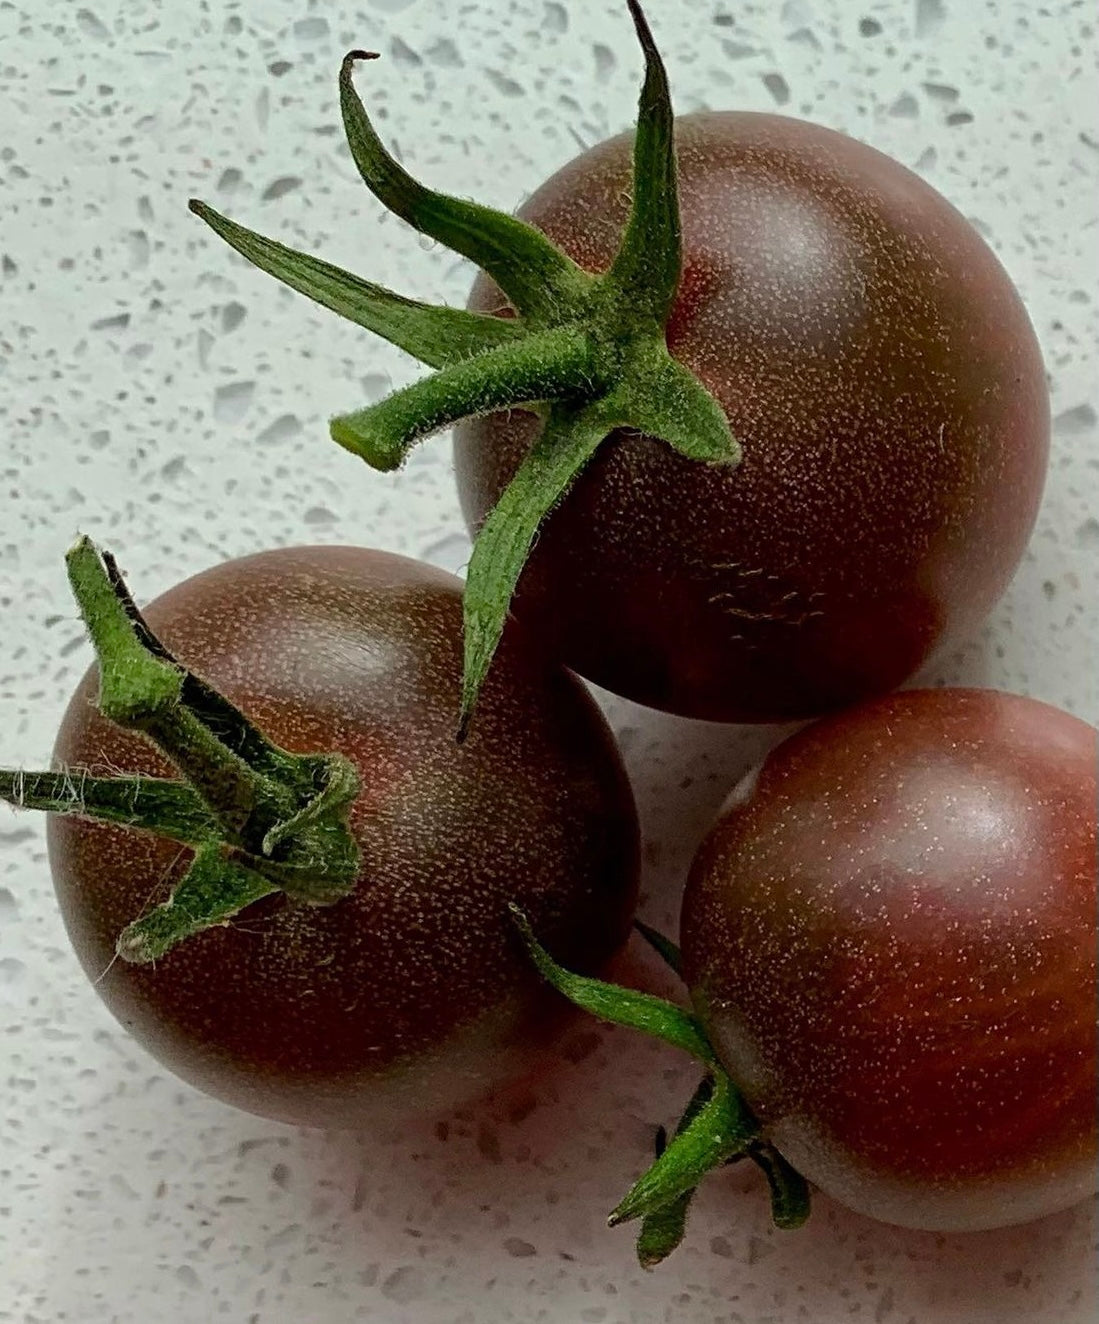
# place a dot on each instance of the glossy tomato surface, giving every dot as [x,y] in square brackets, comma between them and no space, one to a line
[891,937]
[881,374]
[414,992]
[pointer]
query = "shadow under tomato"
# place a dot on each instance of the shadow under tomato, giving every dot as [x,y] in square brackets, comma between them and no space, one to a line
[455,1203]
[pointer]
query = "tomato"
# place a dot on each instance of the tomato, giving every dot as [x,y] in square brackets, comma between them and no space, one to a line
[890,939]
[754,421]
[411,992]
[886,387]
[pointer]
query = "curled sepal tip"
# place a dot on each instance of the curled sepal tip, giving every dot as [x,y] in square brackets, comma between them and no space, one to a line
[534,273]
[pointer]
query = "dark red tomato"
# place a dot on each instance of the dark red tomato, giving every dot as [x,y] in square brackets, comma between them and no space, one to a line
[881,373]
[891,937]
[412,993]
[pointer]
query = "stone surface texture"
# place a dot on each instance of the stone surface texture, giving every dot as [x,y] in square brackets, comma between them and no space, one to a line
[167,400]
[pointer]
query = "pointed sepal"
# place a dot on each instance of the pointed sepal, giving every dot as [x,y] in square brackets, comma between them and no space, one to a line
[620,1006]
[434,334]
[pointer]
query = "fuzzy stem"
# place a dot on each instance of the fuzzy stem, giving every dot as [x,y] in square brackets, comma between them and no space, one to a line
[170,809]
[213,710]
[135,683]
[539,367]
[143,690]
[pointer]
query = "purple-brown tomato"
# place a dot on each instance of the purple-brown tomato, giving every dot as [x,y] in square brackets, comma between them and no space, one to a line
[882,376]
[412,993]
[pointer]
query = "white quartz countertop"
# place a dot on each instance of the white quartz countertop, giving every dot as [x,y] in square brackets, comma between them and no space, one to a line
[160,396]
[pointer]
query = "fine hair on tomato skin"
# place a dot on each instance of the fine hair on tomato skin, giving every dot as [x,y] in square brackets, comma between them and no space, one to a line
[892,946]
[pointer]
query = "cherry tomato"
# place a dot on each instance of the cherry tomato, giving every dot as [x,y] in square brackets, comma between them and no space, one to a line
[411,993]
[880,372]
[890,936]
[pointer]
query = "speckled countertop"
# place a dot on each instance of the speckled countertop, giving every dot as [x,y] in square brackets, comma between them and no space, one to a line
[163,398]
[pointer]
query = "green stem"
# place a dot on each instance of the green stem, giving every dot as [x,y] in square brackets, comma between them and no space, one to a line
[142,690]
[212,709]
[542,366]
[136,684]
[259,819]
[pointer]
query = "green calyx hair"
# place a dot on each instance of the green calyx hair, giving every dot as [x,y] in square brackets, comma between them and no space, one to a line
[586,352]
[259,820]
[717,1126]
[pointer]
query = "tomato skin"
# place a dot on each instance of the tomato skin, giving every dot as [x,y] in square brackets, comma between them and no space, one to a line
[413,993]
[887,388]
[890,936]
